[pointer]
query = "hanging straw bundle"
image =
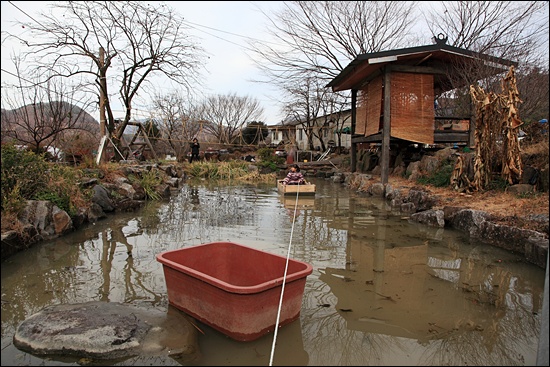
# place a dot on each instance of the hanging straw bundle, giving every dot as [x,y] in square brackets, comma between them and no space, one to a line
[496,137]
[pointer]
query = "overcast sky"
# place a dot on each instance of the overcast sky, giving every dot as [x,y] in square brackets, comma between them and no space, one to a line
[222,27]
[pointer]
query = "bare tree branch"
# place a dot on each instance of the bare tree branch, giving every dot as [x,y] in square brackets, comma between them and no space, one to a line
[324,36]
[507,29]
[226,115]
[317,39]
[138,40]
[42,115]
[177,120]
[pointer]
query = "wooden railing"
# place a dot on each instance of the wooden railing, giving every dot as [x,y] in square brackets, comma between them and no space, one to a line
[446,130]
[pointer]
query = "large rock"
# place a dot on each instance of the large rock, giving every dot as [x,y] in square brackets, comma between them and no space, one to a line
[525,241]
[420,203]
[421,199]
[469,221]
[107,330]
[62,222]
[102,198]
[47,219]
[431,217]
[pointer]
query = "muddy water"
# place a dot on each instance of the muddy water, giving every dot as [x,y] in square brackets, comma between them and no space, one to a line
[383,291]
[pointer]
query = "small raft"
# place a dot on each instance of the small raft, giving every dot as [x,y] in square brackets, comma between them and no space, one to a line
[305,189]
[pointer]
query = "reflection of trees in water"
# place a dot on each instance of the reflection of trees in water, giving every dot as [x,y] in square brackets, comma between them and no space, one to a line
[225,207]
[331,343]
[512,301]
[117,258]
[197,214]
[510,304]
[149,219]
[50,280]
[480,348]
[314,231]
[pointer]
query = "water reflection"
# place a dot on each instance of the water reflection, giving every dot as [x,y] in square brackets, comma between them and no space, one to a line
[383,291]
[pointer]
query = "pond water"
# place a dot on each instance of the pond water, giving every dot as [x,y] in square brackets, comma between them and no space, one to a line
[384,291]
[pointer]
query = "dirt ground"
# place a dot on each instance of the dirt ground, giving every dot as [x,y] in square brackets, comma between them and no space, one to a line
[506,208]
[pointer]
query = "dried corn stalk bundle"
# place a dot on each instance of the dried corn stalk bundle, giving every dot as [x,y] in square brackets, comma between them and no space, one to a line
[486,135]
[496,137]
[512,168]
[459,178]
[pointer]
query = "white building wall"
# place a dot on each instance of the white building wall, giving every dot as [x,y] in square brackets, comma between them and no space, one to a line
[301,137]
[276,136]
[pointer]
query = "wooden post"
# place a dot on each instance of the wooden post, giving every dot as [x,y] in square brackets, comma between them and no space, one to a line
[386,129]
[353,153]
[472,125]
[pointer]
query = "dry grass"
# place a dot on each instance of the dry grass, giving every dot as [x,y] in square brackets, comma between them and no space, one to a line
[536,154]
[506,208]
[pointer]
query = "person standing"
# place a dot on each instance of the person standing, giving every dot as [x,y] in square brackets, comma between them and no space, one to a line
[195,147]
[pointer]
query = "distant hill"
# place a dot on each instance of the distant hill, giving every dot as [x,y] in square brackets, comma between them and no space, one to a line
[45,125]
[20,124]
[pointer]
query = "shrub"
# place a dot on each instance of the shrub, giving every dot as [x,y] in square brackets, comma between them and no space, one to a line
[438,178]
[268,159]
[27,176]
[203,169]
[61,202]
[149,180]
[266,154]
[24,173]
[498,183]
[12,202]
[63,189]
[236,170]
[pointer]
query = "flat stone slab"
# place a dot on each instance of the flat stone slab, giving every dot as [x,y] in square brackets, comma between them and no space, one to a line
[107,330]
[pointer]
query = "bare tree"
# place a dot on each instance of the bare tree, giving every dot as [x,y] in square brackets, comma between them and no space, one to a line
[132,40]
[40,116]
[334,109]
[177,121]
[324,36]
[226,115]
[318,39]
[316,108]
[506,29]
[516,31]
[304,106]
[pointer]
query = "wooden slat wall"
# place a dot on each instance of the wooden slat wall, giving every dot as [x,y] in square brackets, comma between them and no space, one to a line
[412,107]
[369,108]
[361,117]
[374,106]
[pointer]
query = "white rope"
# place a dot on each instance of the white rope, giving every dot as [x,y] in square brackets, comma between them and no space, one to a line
[284,279]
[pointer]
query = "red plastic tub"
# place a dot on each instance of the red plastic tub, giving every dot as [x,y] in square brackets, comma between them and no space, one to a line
[234,288]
